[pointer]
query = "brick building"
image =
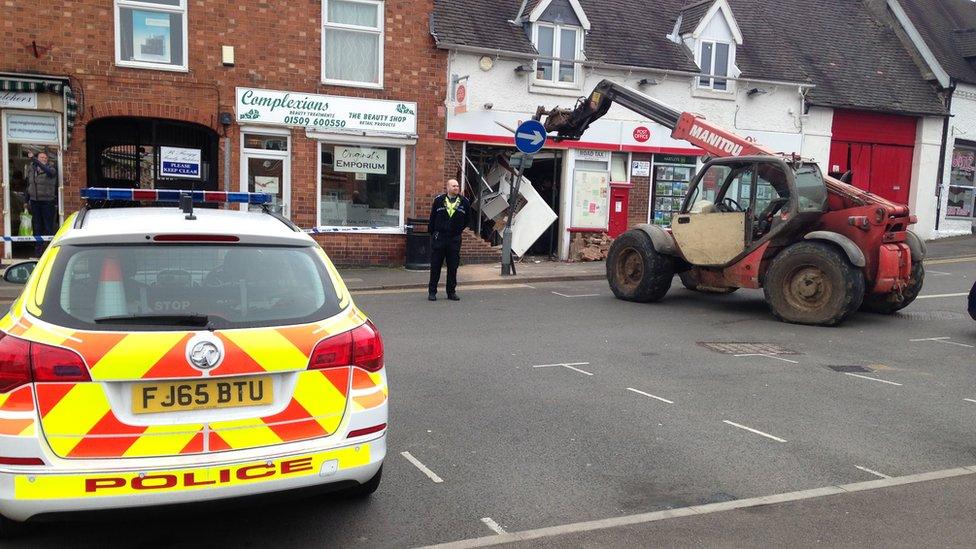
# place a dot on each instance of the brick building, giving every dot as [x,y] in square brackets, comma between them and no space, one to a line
[334,106]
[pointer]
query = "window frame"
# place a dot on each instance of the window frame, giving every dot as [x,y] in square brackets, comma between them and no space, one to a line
[729,62]
[404,149]
[183,9]
[284,156]
[380,31]
[557,32]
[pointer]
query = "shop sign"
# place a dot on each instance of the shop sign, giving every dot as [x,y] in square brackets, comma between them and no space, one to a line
[640,169]
[674,159]
[325,112]
[596,156]
[179,163]
[18,100]
[32,128]
[360,160]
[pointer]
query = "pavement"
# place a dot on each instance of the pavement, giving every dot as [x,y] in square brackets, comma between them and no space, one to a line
[552,415]
[528,272]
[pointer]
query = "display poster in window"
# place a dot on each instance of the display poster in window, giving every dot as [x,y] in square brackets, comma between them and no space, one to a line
[266,184]
[591,200]
[151,37]
[640,168]
[360,160]
[670,184]
[179,163]
[962,183]
[32,128]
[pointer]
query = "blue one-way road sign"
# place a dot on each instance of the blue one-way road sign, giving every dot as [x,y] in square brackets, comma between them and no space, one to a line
[530,136]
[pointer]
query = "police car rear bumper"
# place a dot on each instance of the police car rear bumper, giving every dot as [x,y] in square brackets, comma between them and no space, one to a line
[26,492]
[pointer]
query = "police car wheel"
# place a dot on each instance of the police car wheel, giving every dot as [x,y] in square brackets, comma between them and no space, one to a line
[10,529]
[364,490]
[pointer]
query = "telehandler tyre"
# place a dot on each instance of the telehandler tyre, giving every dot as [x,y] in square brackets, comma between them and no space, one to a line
[636,271]
[690,281]
[887,304]
[813,283]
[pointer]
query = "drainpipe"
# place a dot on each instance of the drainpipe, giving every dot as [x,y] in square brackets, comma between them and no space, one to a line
[940,180]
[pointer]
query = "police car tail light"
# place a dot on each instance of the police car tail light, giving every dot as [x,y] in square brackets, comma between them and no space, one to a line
[57,364]
[361,347]
[15,367]
[367,347]
[334,352]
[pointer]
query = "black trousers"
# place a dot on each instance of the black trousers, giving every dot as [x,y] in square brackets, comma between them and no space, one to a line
[442,249]
[44,218]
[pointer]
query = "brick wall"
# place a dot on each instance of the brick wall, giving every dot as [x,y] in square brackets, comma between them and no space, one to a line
[277,46]
[640,194]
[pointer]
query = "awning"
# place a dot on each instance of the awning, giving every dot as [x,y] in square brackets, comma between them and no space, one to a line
[41,84]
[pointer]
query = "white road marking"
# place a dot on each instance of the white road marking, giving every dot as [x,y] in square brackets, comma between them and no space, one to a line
[656,516]
[419,290]
[649,395]
[970,400]
[423,468]
[529,286]
[581,295]
[941,340]
[936,296]
[769,356]
[569,366]
[873,379]
[751,430]
[493,526]
[947,261]
[875,473]
[936,273]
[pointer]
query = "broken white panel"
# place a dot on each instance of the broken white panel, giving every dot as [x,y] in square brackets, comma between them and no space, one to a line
[532,217]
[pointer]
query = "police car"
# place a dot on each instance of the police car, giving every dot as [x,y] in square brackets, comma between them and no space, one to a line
[164,355]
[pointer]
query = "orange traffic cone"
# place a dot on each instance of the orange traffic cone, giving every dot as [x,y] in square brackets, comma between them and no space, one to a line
[110,294]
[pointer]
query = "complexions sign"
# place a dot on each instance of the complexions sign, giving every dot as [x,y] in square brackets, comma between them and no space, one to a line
[325,112]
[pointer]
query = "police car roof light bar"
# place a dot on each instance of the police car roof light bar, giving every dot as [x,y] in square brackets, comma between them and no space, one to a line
[161,195]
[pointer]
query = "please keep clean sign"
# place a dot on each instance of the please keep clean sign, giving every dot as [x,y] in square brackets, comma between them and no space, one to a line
[179,163]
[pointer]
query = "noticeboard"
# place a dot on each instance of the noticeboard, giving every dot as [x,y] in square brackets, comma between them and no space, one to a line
[591,200]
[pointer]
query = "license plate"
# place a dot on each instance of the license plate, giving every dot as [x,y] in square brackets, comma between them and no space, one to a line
[180,396]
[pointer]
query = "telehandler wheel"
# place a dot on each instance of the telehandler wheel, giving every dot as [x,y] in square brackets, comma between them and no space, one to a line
[887,304]
[813,283]
[636,271]
[690,281]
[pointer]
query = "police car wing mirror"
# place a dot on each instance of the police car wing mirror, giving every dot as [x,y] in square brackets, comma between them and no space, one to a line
[19,273]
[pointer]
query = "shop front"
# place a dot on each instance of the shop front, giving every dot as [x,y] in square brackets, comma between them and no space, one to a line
[336,165]
[36,115]
[962,182]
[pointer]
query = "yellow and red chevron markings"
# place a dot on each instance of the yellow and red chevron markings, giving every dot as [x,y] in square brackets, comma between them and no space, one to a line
[17,413]
[78,420]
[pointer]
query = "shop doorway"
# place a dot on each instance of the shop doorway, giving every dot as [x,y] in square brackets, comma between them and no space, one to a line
[124,152]
[25,136]
[266,167]
[545,176]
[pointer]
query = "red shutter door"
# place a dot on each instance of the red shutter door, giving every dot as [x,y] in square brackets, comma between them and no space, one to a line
[861,165]
[891,172]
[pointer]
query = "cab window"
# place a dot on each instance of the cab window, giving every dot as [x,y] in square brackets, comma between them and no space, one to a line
[188,287]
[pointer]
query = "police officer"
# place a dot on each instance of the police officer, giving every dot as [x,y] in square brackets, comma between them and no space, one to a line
[448,218]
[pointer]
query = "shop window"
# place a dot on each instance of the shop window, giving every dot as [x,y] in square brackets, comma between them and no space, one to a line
[558,47]
[714,60]
[962,183]
[361,187]
[151,34]
[352,42]
[618,168]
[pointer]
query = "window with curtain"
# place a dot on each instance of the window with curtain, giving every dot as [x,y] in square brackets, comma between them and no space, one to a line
[556,45]
[352,42]
[714,62]
[151,33]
